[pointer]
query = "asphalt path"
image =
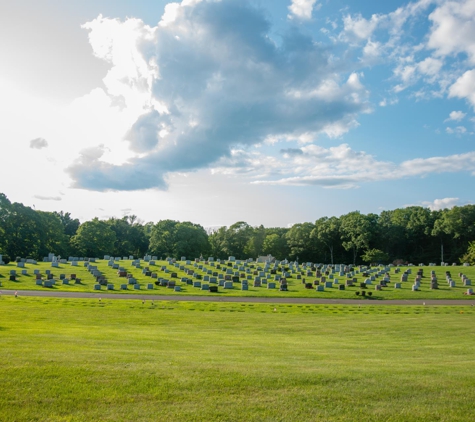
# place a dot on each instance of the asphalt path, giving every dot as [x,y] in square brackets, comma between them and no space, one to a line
[241,299]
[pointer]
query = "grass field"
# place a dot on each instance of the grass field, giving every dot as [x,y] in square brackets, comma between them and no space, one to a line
[91,360]
[296,287]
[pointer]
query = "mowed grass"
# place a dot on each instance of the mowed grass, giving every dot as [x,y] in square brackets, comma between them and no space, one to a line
[296,287]
[111,360]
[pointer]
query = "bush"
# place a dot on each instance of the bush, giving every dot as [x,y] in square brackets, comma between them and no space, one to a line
[6,259]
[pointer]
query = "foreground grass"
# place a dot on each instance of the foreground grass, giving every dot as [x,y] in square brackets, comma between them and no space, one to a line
[296,287]
[83,360]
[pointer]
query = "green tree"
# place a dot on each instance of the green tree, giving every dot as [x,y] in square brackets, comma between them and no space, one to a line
[455,228]
[162,238]
[237,239]
[469,256]
[94,239]
[301,243]
[375,256]
[22,232]
[191,240]
[130,236]
[53,238]
[327,231]
[5,211]
[275,243]
[217,243]
[255,244]
[355,231]
[70,225]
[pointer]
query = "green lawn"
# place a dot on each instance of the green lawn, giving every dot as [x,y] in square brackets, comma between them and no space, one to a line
[91,360]
[296,287]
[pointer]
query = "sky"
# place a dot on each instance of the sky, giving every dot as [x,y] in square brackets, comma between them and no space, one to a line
[271,112]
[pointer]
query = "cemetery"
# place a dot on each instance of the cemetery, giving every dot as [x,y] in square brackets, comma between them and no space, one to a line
[234,277]
[151,359]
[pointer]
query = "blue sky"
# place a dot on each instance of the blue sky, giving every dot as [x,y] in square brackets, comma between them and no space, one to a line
[271,112]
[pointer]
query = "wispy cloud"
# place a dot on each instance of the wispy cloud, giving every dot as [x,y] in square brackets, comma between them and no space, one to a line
[48,198]
[342,167]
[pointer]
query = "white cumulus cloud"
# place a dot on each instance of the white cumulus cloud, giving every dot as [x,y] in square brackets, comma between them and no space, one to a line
[441,204]
[456,116]
[302,9]
[206,81]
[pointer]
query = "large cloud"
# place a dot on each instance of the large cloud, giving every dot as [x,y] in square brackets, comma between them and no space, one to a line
[207,79]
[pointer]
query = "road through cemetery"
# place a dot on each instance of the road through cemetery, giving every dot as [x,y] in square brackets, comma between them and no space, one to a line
[280,300]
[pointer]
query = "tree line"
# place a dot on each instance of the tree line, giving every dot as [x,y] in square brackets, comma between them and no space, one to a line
[412,234]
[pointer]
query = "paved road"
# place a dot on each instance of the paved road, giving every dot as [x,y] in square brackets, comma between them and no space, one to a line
[233,299]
